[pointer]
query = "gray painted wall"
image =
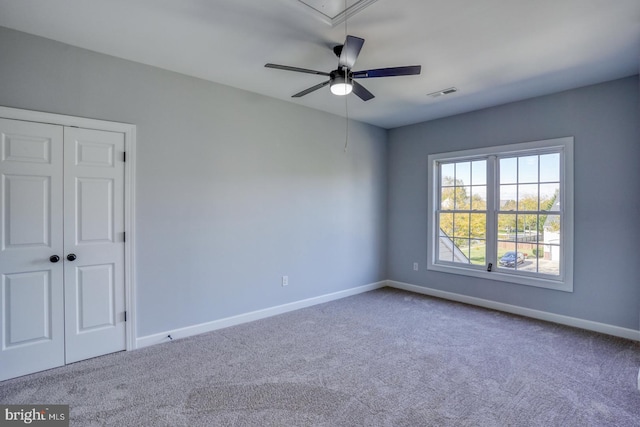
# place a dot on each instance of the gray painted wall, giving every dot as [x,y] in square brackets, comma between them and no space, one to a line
[604,119]
[234,189]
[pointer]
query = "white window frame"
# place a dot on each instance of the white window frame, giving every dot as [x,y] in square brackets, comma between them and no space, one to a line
[564,146]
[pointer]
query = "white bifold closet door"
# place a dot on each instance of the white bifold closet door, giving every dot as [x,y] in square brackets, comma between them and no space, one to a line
[62,245]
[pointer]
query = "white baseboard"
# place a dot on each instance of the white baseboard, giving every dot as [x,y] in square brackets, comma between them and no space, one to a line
[201,328]
[604,328]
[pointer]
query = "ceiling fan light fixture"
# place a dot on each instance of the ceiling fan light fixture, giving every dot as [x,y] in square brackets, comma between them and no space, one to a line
[340,82]
[341,86]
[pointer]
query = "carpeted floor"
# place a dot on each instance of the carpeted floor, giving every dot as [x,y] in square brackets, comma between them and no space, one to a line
[383,358]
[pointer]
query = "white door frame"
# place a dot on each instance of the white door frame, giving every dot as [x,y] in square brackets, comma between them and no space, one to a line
[129,132]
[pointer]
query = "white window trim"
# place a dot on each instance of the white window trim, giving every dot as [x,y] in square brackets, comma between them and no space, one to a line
[565,281]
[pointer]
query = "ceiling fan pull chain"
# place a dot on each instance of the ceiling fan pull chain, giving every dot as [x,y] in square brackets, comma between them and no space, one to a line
[346,74]
[346,136]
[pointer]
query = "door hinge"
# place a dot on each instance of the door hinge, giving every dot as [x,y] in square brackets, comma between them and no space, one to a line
[124,236]
[125,316]
[124,156]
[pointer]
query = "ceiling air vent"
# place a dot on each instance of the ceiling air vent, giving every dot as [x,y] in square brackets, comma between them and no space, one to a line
[447,91]
[333,12]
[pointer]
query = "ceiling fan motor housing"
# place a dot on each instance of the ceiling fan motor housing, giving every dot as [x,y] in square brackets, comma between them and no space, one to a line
[341,76]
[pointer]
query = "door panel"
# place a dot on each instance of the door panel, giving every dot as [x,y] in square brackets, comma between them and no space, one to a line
[28,315]
[95,210]
[96,290]
[94,281]
[94,153]
[26,147]
[31,298]
[27,216]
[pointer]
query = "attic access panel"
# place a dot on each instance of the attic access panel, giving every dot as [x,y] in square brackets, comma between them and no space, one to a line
[333,12]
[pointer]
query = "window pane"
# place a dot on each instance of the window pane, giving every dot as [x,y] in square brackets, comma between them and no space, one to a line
[506,227]
[479,172]
[508,197]
[550,197]
[552,229]
[445,251]
[461,251]
[534,254]
[538,228]
[446,174]
[528,226]
[463,198]
[506,255]
[461,225]
[530,262]
[478,226]
[550,263]
[538,252]
[447,197]
[550,167]
[520,224]
[527,169]
[479,197]
[509,170]
[463,173]
[446,223]
[478,252]
[528,197]
[551,241]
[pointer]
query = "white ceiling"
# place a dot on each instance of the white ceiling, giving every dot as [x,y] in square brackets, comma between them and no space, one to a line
[493,51]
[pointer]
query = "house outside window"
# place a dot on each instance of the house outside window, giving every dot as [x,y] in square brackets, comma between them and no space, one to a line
[504,213]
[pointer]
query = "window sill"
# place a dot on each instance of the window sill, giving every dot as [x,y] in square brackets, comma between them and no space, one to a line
[565,285]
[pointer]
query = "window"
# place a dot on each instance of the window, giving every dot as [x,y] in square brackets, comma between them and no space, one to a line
[504,213]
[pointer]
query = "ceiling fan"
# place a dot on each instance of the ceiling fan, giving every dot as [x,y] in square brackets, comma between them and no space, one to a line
[341,80]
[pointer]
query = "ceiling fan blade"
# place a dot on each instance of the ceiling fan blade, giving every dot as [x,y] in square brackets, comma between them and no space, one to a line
[362,93]
[299,70]
[311,89]
[388,72]
[350,51]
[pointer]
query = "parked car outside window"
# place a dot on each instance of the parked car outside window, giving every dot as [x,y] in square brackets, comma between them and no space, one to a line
[511,258]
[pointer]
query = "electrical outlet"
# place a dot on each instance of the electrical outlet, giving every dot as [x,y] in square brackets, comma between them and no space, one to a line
[285,280]
[415,266]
